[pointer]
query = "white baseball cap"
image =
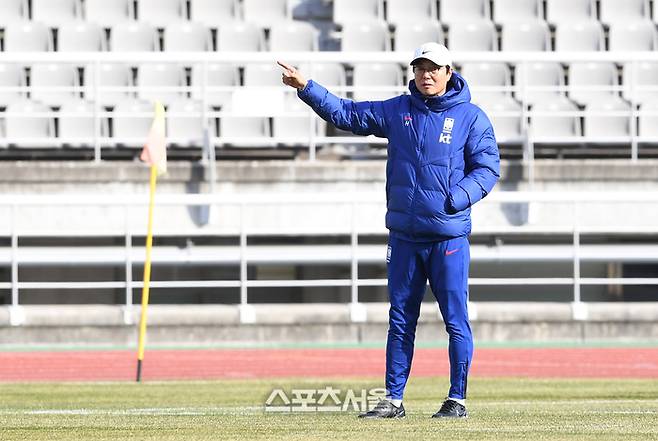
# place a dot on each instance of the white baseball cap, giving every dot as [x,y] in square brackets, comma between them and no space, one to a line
[435,52]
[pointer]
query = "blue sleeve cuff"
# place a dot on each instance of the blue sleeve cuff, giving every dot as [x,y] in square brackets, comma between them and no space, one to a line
[304,92]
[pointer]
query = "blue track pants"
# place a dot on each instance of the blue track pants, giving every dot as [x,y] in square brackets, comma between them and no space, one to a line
[410,265]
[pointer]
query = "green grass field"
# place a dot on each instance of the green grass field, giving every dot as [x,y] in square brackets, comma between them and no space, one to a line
[500,409]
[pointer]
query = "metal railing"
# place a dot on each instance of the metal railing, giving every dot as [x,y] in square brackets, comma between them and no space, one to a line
[358,204]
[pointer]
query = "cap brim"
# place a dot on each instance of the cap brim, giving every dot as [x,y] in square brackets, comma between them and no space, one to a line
[437,62]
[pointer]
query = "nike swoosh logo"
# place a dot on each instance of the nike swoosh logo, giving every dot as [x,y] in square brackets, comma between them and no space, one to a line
[449,252]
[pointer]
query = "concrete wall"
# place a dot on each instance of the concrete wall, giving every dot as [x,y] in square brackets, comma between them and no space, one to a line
[322,323]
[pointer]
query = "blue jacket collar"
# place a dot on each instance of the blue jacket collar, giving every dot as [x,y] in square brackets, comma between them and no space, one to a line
[456,93]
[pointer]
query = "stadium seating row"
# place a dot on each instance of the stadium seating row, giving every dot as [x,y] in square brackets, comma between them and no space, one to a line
[558,117]
[138,36]
[555,117]
[530,83]
[34,122]
[479,35]
[301,36]
[450,11]
[211,12]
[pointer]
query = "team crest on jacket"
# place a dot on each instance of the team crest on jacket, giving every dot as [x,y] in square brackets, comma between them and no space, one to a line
[446,134]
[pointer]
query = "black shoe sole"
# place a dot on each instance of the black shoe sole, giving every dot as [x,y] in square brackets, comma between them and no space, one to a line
[450,416]
[373,417]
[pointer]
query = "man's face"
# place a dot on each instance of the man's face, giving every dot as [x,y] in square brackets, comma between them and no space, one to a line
[430,78]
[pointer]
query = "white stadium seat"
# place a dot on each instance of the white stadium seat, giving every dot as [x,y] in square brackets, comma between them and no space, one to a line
[117,76]
[244,127]
[76,123]
[162,82]
[81,37]
[161,13]
[487,75]
[555,118]
[21,122]
[385,76]
[108,13]
[506,118]
[293,36]
[266,12]
[132,122]
[262,75]
[539,75]
[579,36]
[43,77]
[214,13]
[605,125]
[345,11]
[408,12]
[371,36]
[299,127]
[185,126]
[649,123]
[616,11]
[239,37]
[134,37]
[11,75]
[28,37]
[330,75]
[559,11]
[13,11]
[218,75]
[517,10]
[464,10]
[633,36]
[472,36]
[262,83]
[187,36]
[600,78]
[526,36]
[409,36]
[55,13]
[638,81]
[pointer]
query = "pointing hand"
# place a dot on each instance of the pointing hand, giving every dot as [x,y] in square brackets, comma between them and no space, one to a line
[291,77]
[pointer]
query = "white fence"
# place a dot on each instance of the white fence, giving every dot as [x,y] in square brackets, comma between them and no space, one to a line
[359,205]
[265,102]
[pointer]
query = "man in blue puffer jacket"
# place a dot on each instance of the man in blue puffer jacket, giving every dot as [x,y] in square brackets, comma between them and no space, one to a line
[442,159]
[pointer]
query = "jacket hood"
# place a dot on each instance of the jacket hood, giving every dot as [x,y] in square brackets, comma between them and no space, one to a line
[456,93]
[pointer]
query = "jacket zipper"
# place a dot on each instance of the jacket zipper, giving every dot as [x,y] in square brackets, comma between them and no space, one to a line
[419,151]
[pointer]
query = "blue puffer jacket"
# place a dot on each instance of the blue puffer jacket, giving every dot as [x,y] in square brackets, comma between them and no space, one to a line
[442,155]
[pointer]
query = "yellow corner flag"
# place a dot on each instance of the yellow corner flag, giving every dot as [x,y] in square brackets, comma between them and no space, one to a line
[154,154]
[155,149]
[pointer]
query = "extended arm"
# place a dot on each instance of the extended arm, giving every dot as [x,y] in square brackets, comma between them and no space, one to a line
[361,118]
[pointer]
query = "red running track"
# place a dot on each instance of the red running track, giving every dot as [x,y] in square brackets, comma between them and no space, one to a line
[269,363]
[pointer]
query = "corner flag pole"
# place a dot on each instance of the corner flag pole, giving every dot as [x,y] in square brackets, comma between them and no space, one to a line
[154,154]
[147,276]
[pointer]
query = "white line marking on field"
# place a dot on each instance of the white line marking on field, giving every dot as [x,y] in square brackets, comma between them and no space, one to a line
[250,410]
[154,411]
[560,402]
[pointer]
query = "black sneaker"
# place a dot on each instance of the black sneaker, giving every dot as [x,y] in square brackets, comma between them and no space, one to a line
[384,409]
[451,409]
